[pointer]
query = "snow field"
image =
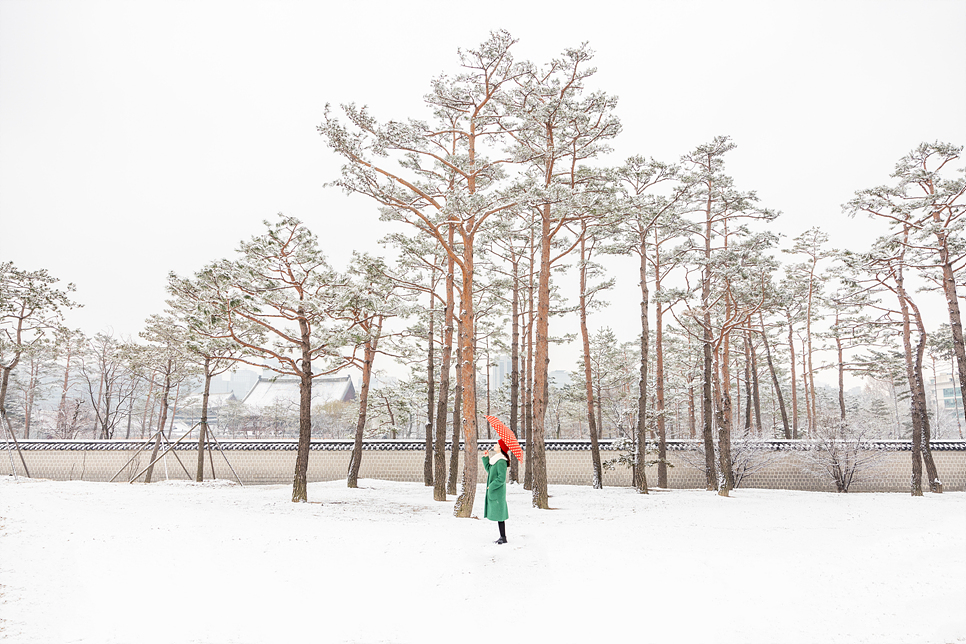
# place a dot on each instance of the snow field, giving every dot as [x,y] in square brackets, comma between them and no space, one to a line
[98,563]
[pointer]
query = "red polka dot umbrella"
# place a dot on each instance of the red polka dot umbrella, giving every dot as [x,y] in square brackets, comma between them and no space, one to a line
[507,435]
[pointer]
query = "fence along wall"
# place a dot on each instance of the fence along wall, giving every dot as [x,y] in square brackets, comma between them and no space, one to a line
[777,464]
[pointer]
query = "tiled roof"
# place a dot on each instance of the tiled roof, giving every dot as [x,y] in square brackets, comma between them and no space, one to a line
[268,391]
[419,444]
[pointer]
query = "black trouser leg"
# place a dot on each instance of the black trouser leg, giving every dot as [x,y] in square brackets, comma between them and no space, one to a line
[502,525]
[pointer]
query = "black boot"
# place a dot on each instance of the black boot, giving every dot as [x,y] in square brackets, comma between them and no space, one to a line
[502,538]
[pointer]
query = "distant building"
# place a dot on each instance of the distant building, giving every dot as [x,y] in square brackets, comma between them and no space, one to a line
[237,383]
[948,393]
[269,391]
[501,372]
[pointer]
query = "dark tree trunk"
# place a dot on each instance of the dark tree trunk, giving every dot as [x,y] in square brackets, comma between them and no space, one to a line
[955,320]
[466,358]
[457,409]
[774,378]
[791,350]
[806,391]
[515,367]
[300,480]
[692,421]
[707,409]
[755,389]
[439,469]
[130,415]
[203,430]
[841,370]
[662,481]
[62,408]
[640,461]
[430,395]
[748,394]
[528,403]
[935,483]
[598,475]
[370,354]
[917,412]
[541,366]
[724,416]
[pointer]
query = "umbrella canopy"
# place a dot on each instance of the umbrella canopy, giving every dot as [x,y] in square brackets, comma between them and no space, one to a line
[504,432]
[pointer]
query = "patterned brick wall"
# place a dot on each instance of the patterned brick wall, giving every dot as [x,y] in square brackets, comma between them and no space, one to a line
[772,464]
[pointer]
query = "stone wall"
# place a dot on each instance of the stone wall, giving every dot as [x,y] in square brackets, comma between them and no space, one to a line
[772,464]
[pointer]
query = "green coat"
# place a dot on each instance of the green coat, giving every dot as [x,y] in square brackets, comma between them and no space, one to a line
[494,507]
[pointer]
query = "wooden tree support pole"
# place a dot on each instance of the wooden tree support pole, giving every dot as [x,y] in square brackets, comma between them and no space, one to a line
[212,434]
[211,460]
[178,458]
[6,420]
[148,442]
[170,447]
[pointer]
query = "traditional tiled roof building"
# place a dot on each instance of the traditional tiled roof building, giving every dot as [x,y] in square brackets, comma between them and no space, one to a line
[271,390]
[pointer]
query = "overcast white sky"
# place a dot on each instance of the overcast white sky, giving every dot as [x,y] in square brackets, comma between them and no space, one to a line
[142,137]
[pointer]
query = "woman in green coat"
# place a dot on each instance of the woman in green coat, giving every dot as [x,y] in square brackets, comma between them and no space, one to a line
[494,506]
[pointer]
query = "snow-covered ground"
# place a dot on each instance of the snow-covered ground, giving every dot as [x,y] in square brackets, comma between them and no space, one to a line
[217,563]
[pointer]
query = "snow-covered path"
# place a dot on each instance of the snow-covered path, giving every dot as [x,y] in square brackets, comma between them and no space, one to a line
[216,563]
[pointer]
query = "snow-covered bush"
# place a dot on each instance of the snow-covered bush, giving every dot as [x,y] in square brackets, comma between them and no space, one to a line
[749,454]
[843,452]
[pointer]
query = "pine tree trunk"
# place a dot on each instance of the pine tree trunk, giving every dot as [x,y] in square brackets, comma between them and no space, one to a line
[62,408]
[439,473]
[467,385]
[430,395]
[640,460]
[917,413]
[794,378]
[748,402]
[955,321]
[541,366]
[935,483]
[598,476]
[515,367]
[457,411]
[810,373]
[300,480]
[203,431]
[352,480]
[662,481]
[692,424]
[106,418]
[725,417]
[755,388]
[806,389]
[774,378]
[841,369]
[707,409]
[528,403]
[130,415]
[959,418]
